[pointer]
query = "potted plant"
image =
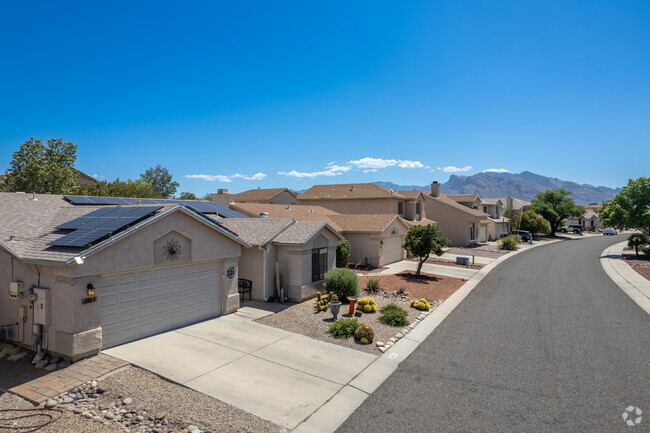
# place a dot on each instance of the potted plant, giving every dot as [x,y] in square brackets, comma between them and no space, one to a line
[335,307]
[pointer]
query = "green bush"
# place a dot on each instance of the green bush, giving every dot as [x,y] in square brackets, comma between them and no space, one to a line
[343,251]
[365,334]
[343,282]
[393,315]
[637,241]
[374,286]
[510,243]
[344,328]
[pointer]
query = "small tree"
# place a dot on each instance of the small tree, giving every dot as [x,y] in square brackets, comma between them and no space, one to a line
[43,169]
[421,241]
[161,180]
[117,188]
[343,251]
[555,205]
[534,223]
[630,207]
[637,241]
[187,196]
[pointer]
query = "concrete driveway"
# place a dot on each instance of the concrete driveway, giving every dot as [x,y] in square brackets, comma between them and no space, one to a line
[277,375]
[428,268]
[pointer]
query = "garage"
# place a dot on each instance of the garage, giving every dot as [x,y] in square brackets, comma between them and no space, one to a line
[483,233]
[139,304]
[392,250]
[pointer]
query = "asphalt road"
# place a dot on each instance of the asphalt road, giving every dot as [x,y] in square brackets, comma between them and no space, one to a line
[545,343]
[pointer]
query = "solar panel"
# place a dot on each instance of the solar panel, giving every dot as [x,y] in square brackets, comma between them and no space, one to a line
[199,206]
[100,223]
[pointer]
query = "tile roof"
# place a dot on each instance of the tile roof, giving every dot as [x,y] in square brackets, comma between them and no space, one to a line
[358,223]
[301,232]
[28,226]
[257,231]
[349,191]
[258,194]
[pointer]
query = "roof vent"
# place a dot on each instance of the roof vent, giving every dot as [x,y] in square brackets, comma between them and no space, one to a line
[12,238]
[264,214]
[34,196]
[137,202]
[351,187]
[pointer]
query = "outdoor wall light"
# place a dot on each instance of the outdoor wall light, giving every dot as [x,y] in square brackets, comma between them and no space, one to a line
[90,289]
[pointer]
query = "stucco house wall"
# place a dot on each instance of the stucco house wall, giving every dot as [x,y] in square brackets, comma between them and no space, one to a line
[285,197]
[453,223]
[364,245]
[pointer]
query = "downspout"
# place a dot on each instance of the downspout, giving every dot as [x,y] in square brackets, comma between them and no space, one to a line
[264,276]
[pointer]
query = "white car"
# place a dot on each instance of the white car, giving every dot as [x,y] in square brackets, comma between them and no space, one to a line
[610,231]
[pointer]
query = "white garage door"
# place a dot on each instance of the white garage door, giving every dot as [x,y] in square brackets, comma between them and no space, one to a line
[392,250]
[483,233]
[134,305]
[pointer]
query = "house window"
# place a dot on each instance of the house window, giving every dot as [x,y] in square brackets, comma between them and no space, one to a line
[417,208]
[318,263]
[593,223]
[400,207]
[484,209]
[472,231]
[497,212]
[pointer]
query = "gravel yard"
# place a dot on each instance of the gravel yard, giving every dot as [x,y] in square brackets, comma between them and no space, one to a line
[302,319]
[640,264]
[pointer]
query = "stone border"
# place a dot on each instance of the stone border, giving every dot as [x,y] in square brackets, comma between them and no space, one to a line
[331,415]
[622,274]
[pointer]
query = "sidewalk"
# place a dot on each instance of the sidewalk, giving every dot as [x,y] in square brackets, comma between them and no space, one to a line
[427,268]
[636,287]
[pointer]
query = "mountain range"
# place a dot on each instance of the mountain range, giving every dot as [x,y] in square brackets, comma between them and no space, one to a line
[524,185]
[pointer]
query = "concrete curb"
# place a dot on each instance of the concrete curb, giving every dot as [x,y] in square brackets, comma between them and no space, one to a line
[331,415]
[629,280]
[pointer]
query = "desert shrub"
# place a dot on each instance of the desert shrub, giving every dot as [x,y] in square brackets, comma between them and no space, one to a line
[365,334]
[421,304]
[343,282]
[344,328]
[343,251]
[510,243]
[374,286]
[367,305]
[637,241]
[323,303]
[401,291]
[393,315]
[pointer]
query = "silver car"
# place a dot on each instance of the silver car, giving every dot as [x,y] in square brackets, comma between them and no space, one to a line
[610,231]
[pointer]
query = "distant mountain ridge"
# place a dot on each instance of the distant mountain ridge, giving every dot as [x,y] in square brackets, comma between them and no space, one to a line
[524,185]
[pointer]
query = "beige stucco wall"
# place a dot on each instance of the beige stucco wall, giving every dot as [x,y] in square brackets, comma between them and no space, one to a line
[75,329]
[251,267]
[365,206]
[285,197]
[364,245]
[454,223]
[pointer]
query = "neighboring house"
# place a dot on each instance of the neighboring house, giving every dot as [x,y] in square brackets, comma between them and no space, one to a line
[365,198]
[514,204]
[295,254]
[497,222]
[375,239]
[462,224]
[268,195]
[82,178]
[590,220]
[163,267]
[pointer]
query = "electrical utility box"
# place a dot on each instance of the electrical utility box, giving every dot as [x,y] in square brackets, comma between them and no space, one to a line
[15,290]
[42,306]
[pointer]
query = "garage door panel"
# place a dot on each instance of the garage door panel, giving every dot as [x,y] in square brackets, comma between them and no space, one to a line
[139,304]
[392,250]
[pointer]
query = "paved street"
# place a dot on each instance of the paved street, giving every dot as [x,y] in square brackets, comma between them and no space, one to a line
[545,343]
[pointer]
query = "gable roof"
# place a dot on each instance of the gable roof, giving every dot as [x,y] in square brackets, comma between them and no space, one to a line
[462,198]
[517,204]
[452,203]
[301,232]
[492,201]
[414,194]
[348,191]
[298,212]
[257,231]
[360,223]
[259,194]
[29,224]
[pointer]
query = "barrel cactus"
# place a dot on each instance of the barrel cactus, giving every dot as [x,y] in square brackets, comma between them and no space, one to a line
[367,305]
[365,334]
[421,304]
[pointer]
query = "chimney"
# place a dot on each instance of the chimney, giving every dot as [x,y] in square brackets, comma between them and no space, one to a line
[435,188]
[222,191]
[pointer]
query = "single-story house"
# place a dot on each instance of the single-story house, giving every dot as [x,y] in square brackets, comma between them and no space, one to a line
[285,254]
[375,239]
[259,195]
[91,276]
[590,220]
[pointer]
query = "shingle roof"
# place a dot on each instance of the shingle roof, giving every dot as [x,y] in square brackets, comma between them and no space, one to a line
[449,202]
[301,232]
[28,225]
[499,220]
[349,191]
[517,204]
[298,212]
[257,231]
[411,194]
[422,222]
[371,223]
[493,201]
[258,194]
[461,198]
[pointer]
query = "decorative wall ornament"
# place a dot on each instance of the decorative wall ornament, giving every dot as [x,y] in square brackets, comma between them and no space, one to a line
[172,249]
[230,273]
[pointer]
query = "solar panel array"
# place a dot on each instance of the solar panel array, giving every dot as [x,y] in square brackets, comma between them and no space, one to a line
[205,207]
[101,223]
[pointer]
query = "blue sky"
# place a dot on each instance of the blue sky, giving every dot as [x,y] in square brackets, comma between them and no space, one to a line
[241,95]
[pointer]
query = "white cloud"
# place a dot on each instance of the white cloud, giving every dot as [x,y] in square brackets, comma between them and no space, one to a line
[330,170]
[224,178]
[496,170]
[376,163]
[95,176]
[452,169]
[370,170]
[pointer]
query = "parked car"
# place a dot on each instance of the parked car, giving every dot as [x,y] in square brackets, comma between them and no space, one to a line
[574,228]
[610,231]
[525,236]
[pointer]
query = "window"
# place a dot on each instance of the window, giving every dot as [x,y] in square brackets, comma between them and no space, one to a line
[318,263]
[472,231]
[417,208]
[400,207]
[497,212]
[484,209]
